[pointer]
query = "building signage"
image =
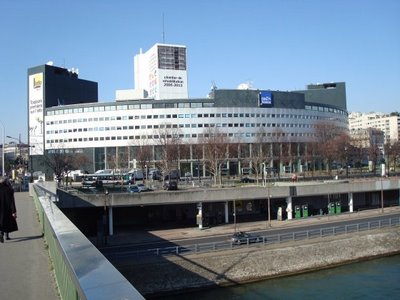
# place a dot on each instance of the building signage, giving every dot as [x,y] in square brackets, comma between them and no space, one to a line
[265,99]
[172,84]
[36,111]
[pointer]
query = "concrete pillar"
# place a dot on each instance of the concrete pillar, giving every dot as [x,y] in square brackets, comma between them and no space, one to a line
[351,208]
[110,221]
[289,208]
[200,215]
[226,212]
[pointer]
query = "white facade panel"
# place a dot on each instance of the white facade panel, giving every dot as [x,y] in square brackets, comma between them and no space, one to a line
[172,84]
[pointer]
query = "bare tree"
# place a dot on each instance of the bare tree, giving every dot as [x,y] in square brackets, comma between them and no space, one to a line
[357,146]
[261,154]
[342,149]
[215,151]
[168,140]
[395,149]
[310,151]
[373,155]
[143,157]
[62,161]
[278,139]
[392,152]
[197,155]
[325,134]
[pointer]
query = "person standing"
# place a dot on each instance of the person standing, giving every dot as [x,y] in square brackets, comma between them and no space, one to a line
[8,211]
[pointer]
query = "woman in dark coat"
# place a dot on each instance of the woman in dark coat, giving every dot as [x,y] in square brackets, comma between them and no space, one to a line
[8,211]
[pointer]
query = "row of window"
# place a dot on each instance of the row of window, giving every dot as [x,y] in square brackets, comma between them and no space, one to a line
[199,125]
[156,137]
[325,109]
[161,105]
[183,116]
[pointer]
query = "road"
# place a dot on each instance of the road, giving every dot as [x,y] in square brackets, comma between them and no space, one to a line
[302,230]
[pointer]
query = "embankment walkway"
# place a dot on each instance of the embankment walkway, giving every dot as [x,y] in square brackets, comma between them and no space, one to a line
[25,267]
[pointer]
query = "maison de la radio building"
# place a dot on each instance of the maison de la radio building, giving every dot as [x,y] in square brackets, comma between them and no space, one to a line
[65,115]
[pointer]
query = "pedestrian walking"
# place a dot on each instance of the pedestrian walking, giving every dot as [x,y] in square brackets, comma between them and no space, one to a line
[8,211]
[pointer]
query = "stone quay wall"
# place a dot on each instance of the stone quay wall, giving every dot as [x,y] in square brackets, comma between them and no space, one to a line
[164,275]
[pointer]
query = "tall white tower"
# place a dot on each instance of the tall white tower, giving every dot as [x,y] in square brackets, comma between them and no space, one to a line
[162,72]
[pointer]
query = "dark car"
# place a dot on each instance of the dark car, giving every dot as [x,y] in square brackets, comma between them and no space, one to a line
[247,180]
[243,237]
[171,186]
[172,175]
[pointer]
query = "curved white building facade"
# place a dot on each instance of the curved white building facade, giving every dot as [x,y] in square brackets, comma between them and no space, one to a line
[238,114]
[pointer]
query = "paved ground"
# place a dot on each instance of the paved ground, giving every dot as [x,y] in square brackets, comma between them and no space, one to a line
[24,262]
[141,236]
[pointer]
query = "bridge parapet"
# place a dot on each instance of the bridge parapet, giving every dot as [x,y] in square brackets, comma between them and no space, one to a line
[82,272]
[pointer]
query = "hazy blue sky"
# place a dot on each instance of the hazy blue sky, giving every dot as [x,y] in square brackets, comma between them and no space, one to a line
[282,45]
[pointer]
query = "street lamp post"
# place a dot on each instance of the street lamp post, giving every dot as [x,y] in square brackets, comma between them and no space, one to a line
[234,215]
[382,195]
[19,149]
[30,168]
[105,217]
[269,205]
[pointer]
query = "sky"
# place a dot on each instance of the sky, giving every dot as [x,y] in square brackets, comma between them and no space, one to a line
[271,44]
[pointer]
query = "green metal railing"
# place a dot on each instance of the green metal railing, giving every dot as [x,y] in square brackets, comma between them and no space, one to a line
[81,271]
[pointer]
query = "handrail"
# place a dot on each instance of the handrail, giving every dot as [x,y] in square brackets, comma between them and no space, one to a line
[266,240]
[82,272]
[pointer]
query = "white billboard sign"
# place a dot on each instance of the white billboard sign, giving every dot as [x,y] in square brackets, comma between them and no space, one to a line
[172,84]
[36,108]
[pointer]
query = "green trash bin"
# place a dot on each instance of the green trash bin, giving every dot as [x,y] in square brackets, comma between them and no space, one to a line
[331,208]
[305,210]
[338,207]
[297,212]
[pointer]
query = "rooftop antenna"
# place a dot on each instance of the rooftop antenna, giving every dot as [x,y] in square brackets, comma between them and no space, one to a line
[163,31]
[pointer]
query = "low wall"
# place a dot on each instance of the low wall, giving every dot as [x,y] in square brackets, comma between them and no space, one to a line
[156,276]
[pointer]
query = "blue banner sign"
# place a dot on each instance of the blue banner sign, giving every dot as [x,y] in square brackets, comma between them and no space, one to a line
[265,99]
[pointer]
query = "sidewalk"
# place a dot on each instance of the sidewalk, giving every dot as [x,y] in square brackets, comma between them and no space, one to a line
[143,236]
[26,271]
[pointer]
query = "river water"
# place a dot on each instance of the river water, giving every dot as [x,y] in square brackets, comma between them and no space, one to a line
[373,279]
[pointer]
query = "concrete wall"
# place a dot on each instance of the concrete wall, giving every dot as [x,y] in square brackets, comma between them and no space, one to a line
[279,190]
[163,275]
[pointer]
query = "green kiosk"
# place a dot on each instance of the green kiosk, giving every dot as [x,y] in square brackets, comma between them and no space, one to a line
[297,212]
[305,210]
[338,207]
[331,208]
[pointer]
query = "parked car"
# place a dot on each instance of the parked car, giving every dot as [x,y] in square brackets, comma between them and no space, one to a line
[143,188]
[170,185]
[247,180]
[242,238]
[155,174]
[133,189]
[173,174]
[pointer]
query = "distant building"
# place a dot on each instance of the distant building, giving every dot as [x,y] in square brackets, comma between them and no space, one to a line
[50,86]
[389,124]
[112,133]
[162,72]
[365,138]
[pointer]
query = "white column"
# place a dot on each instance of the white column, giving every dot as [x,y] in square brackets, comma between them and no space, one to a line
[200,215]
[226,212]
[351,202]
[289,208]
[110,221]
